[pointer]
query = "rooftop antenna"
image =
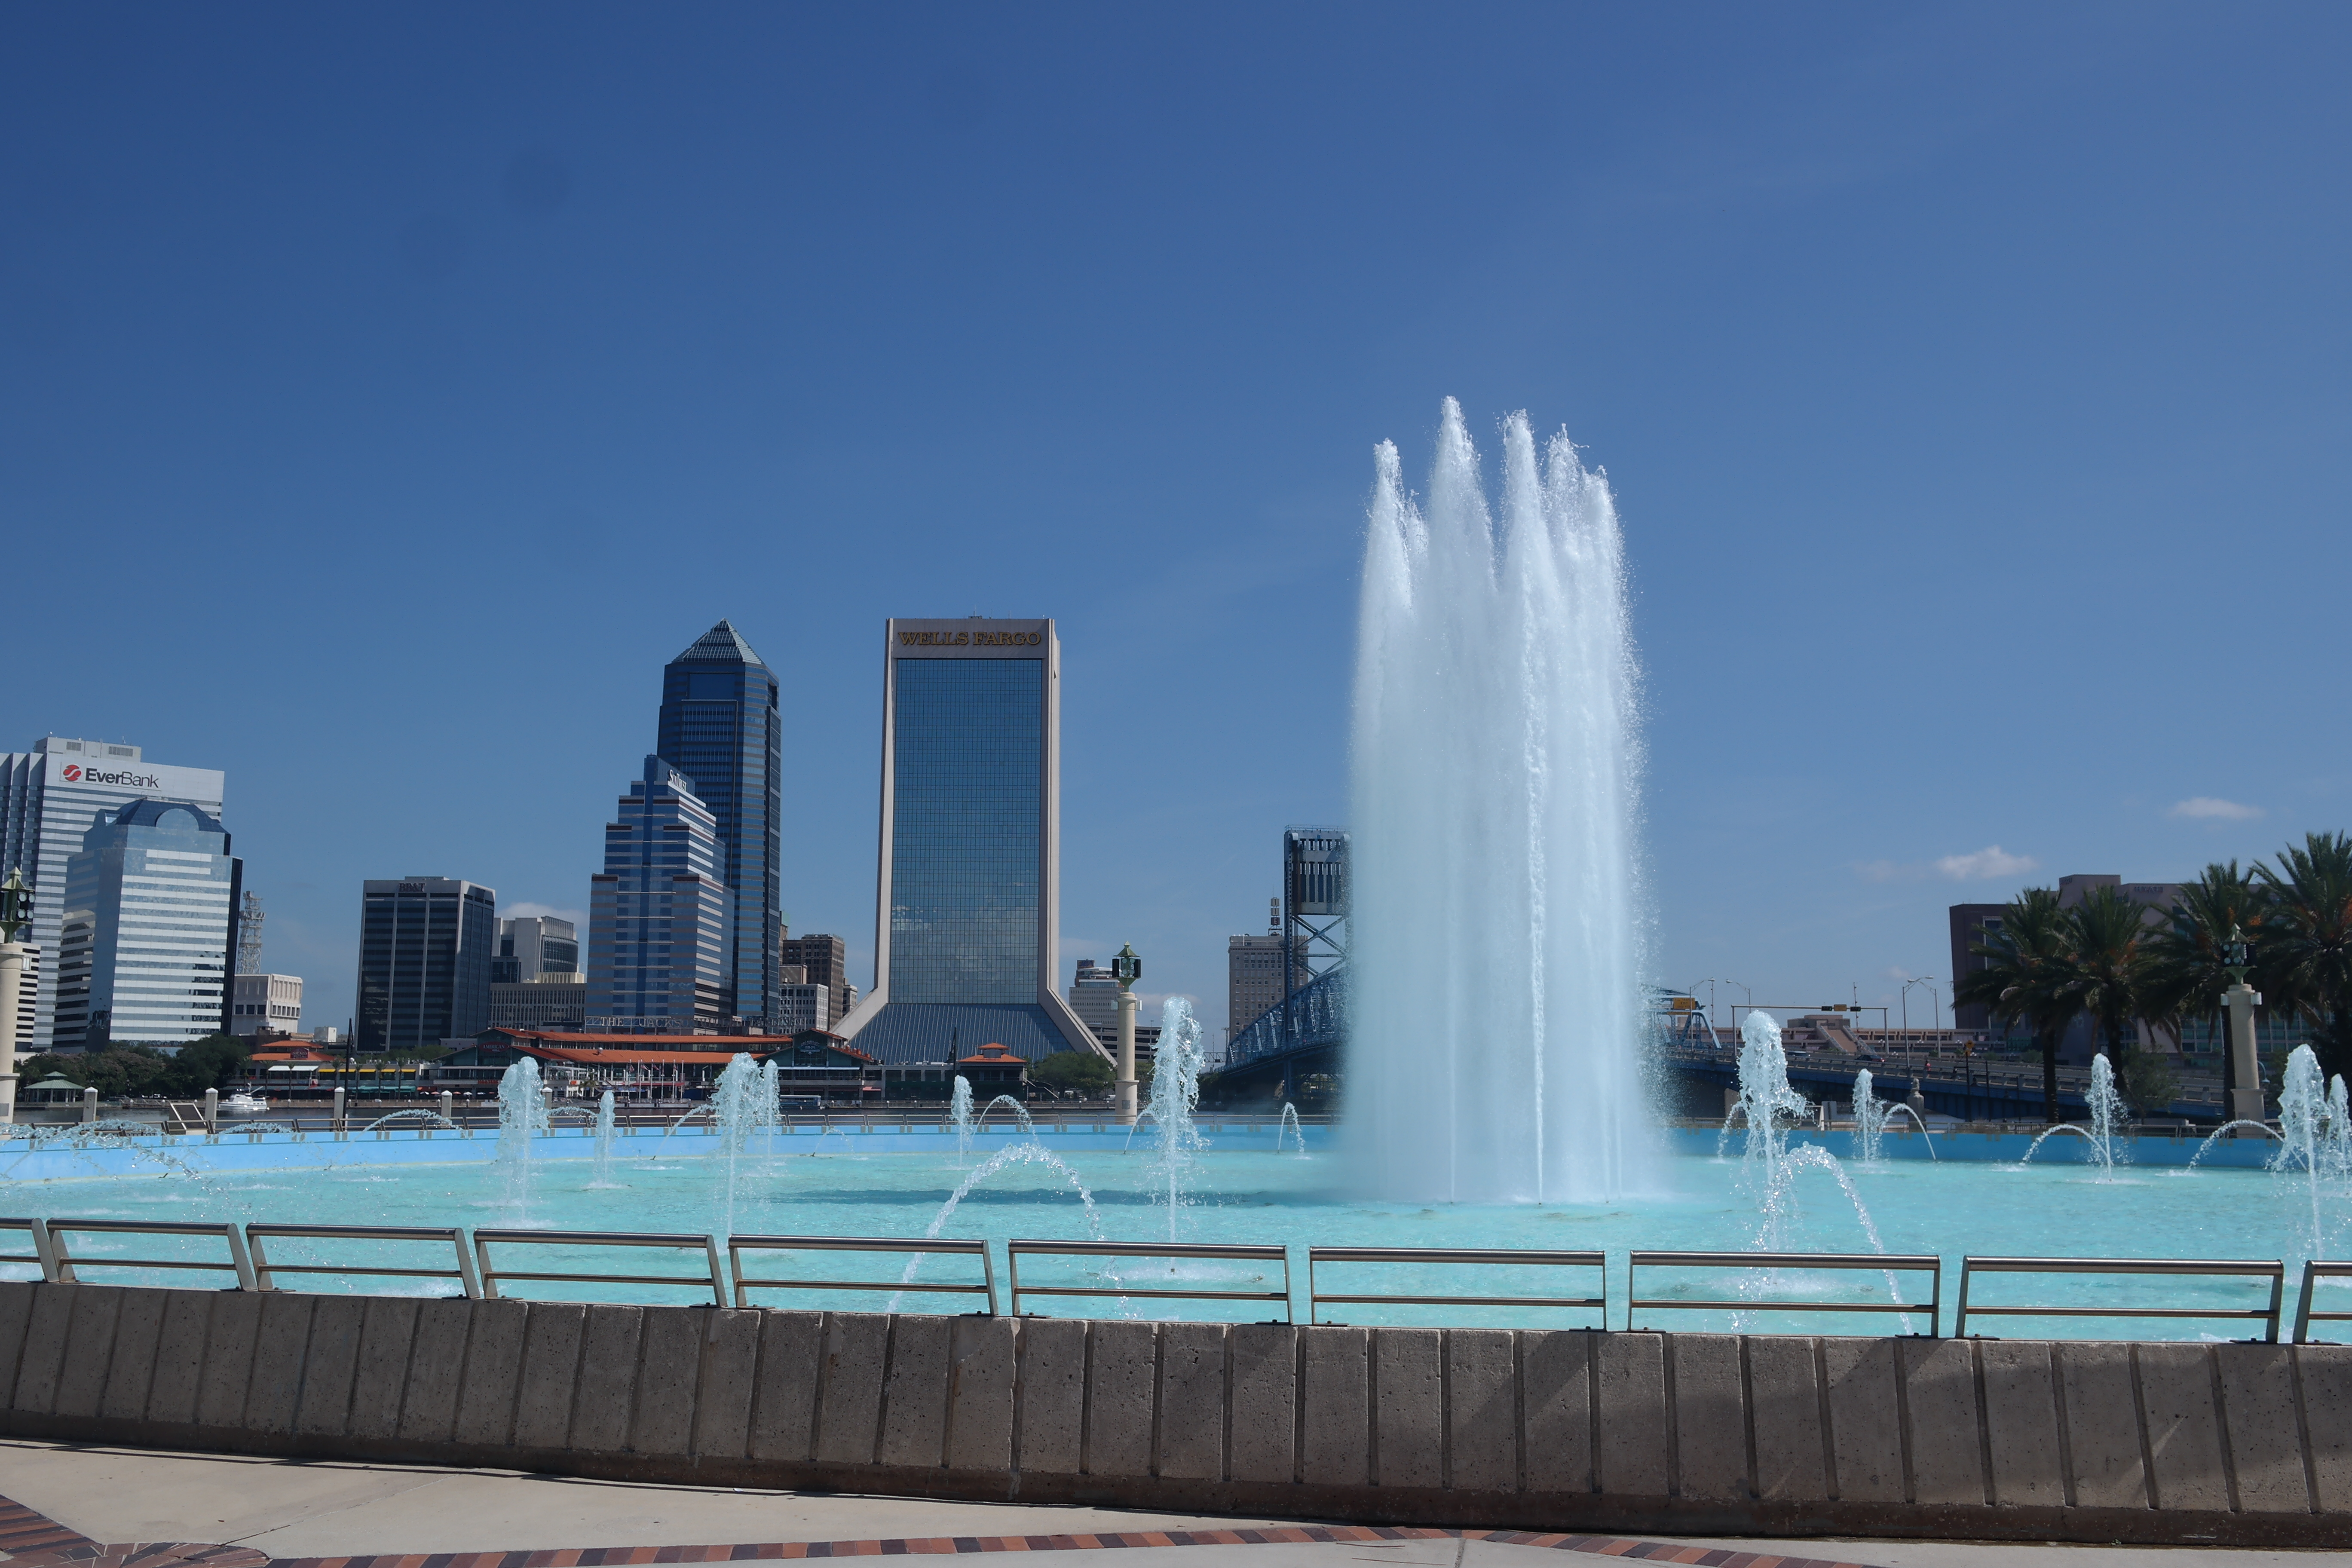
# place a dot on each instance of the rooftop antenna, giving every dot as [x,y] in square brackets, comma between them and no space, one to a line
[249,934]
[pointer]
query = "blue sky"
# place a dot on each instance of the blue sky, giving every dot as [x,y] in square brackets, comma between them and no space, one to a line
[386,393]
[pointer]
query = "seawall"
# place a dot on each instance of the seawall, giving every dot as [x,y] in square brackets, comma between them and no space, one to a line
[1570,1429]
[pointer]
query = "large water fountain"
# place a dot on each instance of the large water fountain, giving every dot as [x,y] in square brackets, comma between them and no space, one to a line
[1493,1097]
[1496,976]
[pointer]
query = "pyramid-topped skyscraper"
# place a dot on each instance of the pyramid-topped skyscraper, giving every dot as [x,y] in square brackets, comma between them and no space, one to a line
[721,727]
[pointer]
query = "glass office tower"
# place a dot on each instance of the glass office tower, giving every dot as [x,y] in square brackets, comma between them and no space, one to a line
[425,944]
[720,728]
[970,865]
[148,925]
[657,914]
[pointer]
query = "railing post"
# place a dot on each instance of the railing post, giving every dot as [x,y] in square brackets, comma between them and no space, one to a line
[212,1113]
[342,1122]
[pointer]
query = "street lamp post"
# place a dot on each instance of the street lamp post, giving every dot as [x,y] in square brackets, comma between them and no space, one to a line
[15,914]
[1127,969]
[2245,1072]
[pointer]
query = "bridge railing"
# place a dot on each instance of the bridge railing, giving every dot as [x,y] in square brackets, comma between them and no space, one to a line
[1315,1015]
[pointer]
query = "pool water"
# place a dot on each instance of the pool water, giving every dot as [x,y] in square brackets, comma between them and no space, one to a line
[1295,1201]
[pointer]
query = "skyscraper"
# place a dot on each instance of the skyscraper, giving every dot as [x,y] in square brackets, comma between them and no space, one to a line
[147,927]
[425,944]
[50,796]
[823,960]
[720,728]
[970,854]
[533,945]
[658,914]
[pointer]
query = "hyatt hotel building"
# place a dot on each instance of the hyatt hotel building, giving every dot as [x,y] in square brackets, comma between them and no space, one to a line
[966,922]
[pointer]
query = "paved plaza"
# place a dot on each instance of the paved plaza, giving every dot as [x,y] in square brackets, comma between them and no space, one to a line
[125,1507]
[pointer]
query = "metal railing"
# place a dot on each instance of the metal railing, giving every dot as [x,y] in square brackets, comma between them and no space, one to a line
[264,1271]
[710,1280]
[2304,1314]
[744,1283]
[2208,1267]
[63,1262]
[1016,1250]
[42,1257]
[1317,1296]
[476,1270]
[1886,1262]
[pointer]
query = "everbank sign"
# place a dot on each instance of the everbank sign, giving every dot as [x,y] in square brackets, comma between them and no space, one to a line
[77,774]
[200,784]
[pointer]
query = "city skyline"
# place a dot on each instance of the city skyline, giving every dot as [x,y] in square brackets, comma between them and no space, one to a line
[1912,381]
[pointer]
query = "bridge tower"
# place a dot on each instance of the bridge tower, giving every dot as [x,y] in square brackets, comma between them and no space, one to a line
[1316,905]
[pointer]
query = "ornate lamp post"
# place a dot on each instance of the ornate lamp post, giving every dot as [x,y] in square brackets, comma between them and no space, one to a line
[15,914]
[1127,969]
[2244,1070]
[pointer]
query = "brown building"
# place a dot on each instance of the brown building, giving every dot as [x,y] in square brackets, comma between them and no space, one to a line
[823,960]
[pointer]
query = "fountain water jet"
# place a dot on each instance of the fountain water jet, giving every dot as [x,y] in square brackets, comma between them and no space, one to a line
[960,1117]
[1290,1125]
[522,1116]
[608,1129]
[1175,1092]
[1496,768]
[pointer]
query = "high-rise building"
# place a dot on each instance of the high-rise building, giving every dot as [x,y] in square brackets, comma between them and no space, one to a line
[540,1002]
[425,944]
[148,926]
[1254,966]
[533,945]
[801,1003]
[258,1002]
[721,728]
[1094,998]
[50,796]
[658,914]
[823,960]
[970,846]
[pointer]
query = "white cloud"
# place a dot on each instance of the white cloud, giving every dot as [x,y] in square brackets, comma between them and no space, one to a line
[528,911]
[1985,865]
[2211,808]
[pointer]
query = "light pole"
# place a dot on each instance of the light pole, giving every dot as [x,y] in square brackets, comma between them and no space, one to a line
[2245,1074]
[1934,999]
[1711,983]
[1127,969]
[15,914]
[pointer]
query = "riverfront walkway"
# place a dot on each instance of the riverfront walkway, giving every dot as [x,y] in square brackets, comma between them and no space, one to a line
[94,1507]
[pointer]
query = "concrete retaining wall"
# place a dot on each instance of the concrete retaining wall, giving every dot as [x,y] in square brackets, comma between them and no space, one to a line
[1570,1429]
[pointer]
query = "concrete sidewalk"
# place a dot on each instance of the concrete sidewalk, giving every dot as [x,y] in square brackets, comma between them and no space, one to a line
[334,1509]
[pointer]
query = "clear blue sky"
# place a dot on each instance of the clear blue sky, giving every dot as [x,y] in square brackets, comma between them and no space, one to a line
[386,393]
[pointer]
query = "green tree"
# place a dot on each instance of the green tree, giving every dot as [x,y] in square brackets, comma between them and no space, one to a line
[2107,965]
[2020,981]
[1074,1072]
[2306,943]
[2189,953]
[209,1063]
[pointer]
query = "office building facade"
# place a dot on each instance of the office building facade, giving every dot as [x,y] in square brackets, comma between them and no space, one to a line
[801,1003]
[721,728]
[823,960]
[148,925]
[49,798]
[271,1002]
[969,860]
[533,945]
[425,944]
[541,1001]
[659,917]
[1256,964]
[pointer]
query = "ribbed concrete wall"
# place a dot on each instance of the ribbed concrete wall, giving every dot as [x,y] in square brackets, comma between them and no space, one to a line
[2147,1443]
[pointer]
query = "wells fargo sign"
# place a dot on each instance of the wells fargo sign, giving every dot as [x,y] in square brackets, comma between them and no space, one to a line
[969,639]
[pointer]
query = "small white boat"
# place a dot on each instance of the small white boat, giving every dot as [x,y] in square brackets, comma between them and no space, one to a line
[244,1103]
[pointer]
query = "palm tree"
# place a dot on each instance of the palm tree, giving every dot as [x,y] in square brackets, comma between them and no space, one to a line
[2019,983]
[2191,952]
[2108,964]
[2306,945]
